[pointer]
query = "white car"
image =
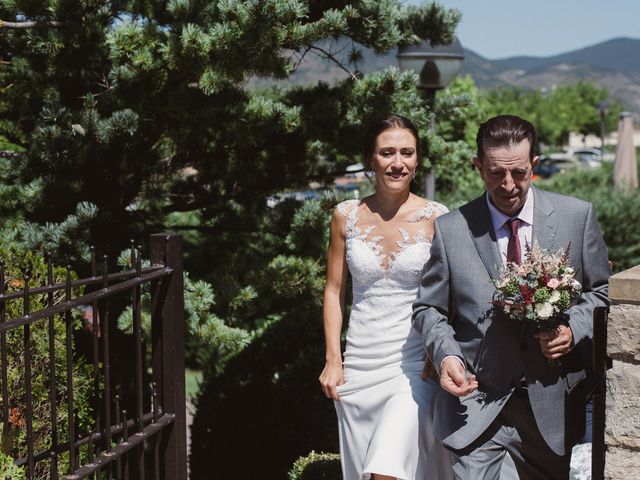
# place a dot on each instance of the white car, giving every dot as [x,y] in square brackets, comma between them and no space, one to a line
[592,156]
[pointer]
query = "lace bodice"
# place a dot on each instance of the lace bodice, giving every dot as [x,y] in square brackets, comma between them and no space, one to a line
[380,337]
[366,258]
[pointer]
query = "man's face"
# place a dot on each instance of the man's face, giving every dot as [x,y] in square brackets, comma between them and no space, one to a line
[507,172]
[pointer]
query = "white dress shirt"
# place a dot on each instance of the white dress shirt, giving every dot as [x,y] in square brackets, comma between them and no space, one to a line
[499,221]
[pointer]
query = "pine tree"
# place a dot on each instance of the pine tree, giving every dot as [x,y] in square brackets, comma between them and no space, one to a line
[142,108]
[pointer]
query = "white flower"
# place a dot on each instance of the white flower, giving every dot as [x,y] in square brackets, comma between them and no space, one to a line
[544,310]
[555,296]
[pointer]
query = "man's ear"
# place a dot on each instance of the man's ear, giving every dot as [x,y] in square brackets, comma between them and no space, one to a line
[477,163]
[534,161]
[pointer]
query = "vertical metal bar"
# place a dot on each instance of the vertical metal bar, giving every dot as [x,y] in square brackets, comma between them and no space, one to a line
[168,330]
[154,401]
[158,437]
[73,463]
[137,332]
[27,379]
[106,366]
[117,419]
[54,465]
[156,455]
[106,362]
[90,453]
[53,472]
[125,427]
[125,439]
[600,364]
[90,448]
[3,355]
[95,347]
[117,402]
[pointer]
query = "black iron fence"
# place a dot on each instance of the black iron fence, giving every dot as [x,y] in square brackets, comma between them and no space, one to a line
[148,442]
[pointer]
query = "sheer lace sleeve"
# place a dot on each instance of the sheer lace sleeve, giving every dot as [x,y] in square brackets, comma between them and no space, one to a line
[430,210]
[349,209]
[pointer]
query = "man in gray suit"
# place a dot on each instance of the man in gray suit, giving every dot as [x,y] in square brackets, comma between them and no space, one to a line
[500,392]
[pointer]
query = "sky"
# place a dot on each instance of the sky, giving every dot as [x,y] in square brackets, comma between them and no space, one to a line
[504,28]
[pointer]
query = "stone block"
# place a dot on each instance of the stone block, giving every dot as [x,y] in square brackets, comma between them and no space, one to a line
[623,333]
[624,287]
[623,407]
[622,464]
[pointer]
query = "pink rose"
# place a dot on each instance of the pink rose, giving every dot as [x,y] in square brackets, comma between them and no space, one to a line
[553,283]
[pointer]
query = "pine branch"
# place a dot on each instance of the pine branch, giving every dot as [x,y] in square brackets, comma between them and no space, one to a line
[329,56]
[30,24]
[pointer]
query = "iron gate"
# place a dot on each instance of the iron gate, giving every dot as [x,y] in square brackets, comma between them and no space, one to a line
[149,442]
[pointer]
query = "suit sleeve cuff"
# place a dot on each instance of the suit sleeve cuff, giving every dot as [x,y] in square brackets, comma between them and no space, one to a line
[457,358]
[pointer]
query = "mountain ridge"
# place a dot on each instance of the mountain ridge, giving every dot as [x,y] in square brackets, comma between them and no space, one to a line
[620,54]
[613,64]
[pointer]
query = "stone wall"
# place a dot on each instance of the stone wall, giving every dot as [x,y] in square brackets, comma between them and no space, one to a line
[622,431]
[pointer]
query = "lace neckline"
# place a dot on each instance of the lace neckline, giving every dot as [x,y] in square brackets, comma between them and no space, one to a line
[353,232]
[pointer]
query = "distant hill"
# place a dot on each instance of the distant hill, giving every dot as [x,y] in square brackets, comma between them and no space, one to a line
[613,64]
[618,54]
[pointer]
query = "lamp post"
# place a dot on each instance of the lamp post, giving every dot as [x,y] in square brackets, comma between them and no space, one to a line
[603,108]
[437,67]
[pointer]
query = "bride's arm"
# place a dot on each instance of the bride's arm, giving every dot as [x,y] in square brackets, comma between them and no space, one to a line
[333,307]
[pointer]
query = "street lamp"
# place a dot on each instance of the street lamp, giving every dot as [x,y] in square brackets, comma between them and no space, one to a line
[437,67]
[603,109]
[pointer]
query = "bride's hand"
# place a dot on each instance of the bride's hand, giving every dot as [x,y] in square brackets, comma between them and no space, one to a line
[331,377]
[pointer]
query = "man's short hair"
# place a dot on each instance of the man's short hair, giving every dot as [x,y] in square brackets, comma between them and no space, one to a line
[505,131]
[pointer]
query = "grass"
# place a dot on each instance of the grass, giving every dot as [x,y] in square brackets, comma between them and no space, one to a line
[193,379]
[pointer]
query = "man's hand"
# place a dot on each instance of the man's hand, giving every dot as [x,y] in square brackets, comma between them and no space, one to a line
[555,343]
[453,378]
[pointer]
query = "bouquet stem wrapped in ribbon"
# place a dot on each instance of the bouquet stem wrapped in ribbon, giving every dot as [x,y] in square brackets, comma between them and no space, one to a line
[539,290]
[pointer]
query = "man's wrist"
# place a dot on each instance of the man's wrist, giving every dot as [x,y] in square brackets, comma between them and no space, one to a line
[453,356]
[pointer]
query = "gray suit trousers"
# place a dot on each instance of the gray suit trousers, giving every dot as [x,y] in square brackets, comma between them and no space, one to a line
[514,431]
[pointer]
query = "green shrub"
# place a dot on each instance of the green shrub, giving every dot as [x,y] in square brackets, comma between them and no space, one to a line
[316,466]
[17,262]
[618,213]
[267,401]
[9,469]
[267,404]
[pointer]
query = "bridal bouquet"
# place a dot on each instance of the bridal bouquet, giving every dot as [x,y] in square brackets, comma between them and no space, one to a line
[538,291]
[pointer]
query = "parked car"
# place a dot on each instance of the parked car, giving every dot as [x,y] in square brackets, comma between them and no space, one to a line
[548,166]
[592,156]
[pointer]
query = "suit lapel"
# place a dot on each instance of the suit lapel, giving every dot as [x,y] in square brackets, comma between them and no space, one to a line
[476,213]
[544,229]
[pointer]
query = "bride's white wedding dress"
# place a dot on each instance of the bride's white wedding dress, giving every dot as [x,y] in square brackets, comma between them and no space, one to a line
[385,408]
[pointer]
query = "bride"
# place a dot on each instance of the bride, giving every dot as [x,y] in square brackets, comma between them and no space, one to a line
[384,407]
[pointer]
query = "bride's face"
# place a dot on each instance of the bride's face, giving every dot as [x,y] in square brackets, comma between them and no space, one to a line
[395,159]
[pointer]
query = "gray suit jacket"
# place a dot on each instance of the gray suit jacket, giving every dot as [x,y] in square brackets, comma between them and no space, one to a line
[453,312]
